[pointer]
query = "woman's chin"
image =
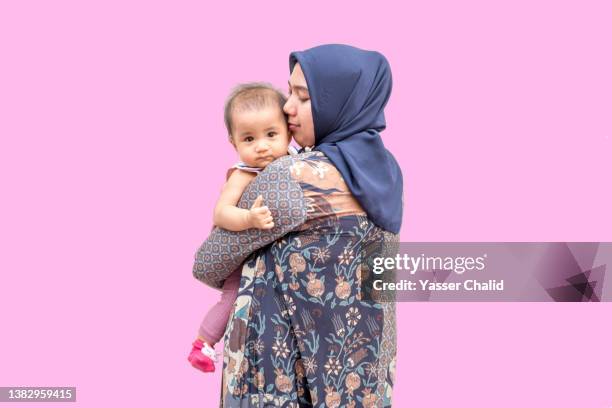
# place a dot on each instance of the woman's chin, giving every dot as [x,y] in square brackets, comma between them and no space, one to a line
[302,140]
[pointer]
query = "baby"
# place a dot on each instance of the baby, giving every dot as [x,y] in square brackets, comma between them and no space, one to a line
[257,128]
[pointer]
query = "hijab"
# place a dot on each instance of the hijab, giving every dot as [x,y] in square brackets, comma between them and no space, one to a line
[349,89]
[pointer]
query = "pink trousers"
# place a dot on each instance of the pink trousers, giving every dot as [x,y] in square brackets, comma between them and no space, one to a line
[215,321]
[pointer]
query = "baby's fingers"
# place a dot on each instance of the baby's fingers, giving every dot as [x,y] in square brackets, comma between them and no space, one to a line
[258,202]
[268,225]
[261,210]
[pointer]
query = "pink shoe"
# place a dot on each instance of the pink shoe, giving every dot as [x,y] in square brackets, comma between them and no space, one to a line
[202,356]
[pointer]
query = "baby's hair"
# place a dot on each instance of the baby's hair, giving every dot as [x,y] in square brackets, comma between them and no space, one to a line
[251,96]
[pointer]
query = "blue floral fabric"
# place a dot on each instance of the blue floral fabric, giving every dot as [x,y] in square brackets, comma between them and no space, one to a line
[302,332]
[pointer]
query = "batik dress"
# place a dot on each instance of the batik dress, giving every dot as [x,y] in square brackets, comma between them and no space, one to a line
[302,332]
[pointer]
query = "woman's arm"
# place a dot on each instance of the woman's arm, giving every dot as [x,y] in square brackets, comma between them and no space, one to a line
[232,218]
[225,250]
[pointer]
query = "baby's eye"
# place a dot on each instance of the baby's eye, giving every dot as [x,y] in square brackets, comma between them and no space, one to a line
[271,134]
[248,139]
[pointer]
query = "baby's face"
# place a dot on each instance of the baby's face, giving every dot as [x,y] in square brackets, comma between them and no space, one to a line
[260,136]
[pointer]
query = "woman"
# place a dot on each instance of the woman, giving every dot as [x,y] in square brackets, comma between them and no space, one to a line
[303,332]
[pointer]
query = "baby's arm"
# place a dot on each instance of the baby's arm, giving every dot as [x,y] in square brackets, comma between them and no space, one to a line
[228,216]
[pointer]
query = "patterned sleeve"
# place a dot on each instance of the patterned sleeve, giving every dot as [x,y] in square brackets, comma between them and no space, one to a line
[223,251]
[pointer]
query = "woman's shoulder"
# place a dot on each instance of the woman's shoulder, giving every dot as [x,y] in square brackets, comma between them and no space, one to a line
[310,157]
[326,194]
[311,168]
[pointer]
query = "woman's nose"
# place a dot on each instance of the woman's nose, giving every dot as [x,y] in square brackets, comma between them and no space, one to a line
[289,109]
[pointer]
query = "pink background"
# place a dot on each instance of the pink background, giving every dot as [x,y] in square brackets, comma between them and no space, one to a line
[113,152]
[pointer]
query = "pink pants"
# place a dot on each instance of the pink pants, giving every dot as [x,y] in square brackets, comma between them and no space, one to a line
[215,321]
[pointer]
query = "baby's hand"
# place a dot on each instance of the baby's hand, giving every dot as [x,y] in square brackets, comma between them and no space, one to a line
[260,216]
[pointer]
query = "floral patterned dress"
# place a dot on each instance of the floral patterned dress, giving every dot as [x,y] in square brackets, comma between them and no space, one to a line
[303,333]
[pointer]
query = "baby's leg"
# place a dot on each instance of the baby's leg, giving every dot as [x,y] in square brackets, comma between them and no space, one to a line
[213,325]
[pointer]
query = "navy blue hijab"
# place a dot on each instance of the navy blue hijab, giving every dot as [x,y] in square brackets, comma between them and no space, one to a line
[349,89]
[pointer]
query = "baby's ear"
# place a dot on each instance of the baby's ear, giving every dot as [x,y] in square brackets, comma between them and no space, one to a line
[231,140]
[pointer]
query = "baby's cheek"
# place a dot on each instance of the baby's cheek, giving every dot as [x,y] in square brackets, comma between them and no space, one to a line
[281,150]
